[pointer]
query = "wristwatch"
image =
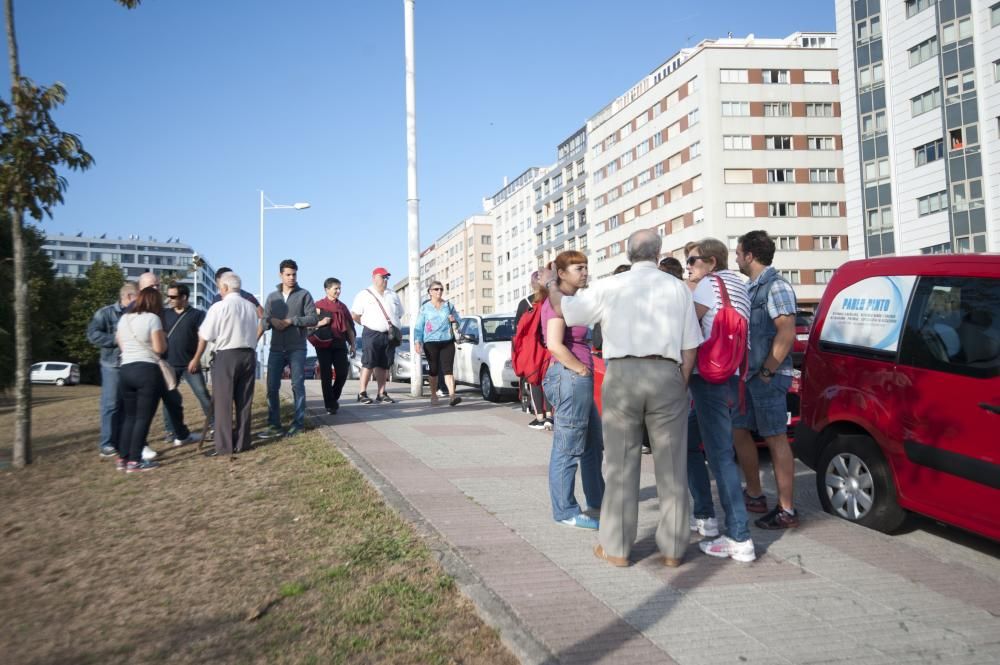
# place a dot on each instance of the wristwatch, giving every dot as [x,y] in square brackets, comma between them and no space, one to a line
[766,373]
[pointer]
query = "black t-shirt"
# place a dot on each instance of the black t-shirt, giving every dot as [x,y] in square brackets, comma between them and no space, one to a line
[182,331]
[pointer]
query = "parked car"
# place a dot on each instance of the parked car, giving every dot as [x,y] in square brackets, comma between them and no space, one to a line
[309,371]
[400,368]
[482,355]
[803,323]
[356,359]
[59,373]
[901,392]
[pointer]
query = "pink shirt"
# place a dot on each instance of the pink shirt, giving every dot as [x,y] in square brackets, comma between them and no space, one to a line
[575,337]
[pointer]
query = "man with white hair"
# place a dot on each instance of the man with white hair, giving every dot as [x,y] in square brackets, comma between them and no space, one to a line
[232,324]
[651,337]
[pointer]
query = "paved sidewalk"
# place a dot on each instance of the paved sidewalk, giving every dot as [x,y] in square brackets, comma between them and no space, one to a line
[474,480]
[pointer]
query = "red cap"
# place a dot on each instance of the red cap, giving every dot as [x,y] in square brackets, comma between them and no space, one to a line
[380,271]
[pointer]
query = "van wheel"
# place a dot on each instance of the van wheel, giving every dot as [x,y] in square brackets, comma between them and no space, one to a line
[490,393]
[60,382]
[855,483]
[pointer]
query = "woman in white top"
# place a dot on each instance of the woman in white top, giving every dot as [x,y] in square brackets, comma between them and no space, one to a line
[141,340]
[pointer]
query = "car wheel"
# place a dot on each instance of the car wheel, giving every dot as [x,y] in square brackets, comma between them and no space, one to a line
[486,385]
[60,382]
[855,483]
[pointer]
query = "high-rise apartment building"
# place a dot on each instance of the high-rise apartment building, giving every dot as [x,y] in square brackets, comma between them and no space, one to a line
[561,201]
[725,137]
[462,260]
[920,89]
[72,255]
[513,256]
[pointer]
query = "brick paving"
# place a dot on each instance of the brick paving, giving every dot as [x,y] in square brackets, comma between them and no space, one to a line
[475,476]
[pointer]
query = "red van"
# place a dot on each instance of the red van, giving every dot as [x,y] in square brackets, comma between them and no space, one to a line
[900,404]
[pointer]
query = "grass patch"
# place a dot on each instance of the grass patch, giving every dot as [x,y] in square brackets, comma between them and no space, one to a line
[286,555]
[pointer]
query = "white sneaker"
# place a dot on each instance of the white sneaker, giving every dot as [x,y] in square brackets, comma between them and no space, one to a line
[148,453]
[193,437]
[724,546]
[708,527]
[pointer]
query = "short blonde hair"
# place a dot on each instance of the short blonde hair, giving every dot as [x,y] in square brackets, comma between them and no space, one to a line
[710,248]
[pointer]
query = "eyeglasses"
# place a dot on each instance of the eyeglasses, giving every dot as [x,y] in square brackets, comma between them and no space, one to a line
[173,297]
[694,259]
[437,288]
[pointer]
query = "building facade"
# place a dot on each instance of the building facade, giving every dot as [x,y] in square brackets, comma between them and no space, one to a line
[513,256]
[725,137]
[560,196]
[462,260]
[920,91]
[73,255]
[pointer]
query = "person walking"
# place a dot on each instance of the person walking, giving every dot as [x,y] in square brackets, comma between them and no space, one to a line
[715,404]
[437,321]
[101,333]
[333,339]
[377,309]
[532,397]
[231,324]
[651,337]
[569,385]
[289,312]
[141,340]
[769,376]
[181,321]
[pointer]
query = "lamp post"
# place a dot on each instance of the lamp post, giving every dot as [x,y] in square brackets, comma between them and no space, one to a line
[197,262]
[412,200]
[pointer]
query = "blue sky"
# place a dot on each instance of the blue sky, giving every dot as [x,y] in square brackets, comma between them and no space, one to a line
[190,107]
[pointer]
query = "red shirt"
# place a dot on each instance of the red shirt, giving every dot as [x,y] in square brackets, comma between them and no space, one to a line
[340,317]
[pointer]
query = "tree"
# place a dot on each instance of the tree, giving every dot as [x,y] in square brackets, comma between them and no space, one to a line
[99,288]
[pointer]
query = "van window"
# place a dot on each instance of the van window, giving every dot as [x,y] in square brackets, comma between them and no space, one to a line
[866,318]
[954,326]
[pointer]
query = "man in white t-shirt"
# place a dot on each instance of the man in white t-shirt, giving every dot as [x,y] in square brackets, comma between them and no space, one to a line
[376,309]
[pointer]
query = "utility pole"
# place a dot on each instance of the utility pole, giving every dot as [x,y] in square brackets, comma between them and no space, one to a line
[412,202]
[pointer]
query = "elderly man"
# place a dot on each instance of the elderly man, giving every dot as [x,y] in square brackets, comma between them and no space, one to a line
[232,324]
[651,338]
[101,333]
[376,309]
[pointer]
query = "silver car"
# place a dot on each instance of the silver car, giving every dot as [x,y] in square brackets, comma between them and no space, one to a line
[400,368]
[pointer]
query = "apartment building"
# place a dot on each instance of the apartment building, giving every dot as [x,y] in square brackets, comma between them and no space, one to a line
[561,201]
[462,260]
[728,136]
[920,92]
[73,255]
[513,256]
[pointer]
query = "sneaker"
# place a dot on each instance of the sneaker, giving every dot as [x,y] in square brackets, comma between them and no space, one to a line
[271,432]
[108,451]
[364,398]
[120,464]
[708,526]
[537,424]
[295,429]
[148,453]
[384,399]
[755,504]
[455,401]
[193,437]
[144,465]
[582,521]
[778,518]
[724,546]
[547,425]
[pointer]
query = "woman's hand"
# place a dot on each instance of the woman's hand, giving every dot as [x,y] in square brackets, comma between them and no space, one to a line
[323,322]
[418,347]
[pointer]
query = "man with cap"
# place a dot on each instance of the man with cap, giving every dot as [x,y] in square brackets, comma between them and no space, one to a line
[376,309]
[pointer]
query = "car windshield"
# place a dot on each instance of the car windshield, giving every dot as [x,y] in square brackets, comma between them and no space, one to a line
[498,330]
[405,344]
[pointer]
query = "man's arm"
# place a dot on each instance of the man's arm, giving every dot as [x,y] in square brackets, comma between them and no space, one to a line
[783,341]
[308,318]
[688,359]
[195,365]
[97,332]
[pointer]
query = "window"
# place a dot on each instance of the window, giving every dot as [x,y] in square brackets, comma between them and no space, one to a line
[675,160]
[932,203]
[642,149]
[996,70]
[786,243]
[628,186]
[818,76]
[914,7]
[826,243]
[966,194]
[657,139]
[878,220]
[777,109]
[626,158]
[486,256]
[628,215]
[995,15]
[824,276]
[738,176]
[877,169]
[925,102]
[487,293]
[735,142]
[923,51]
[822,175]
[740,209]
[928,152]
[781,209]
[869,28]
[694,149]
[676,193]
[775,75]
[873,122]
[780,175]
[791,276]
[956,30]
[658,169]
[872,75]
[733,76]
[487,274]
[819,109]
[644,177]
[958,84]
[693,117]
[645,207]
[612,222]
[698,215]
[625,131]
[825,209]
[732,109]
[820,143]
[777,142]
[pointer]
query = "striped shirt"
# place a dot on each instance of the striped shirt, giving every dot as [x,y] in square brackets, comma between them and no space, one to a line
[707,294]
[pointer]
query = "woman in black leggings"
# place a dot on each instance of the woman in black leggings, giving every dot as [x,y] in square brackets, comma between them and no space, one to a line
[435,336]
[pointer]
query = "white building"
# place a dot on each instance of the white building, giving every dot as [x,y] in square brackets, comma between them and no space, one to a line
[462,260]
[726,137]
[513,253]
[921,101]
[560,201]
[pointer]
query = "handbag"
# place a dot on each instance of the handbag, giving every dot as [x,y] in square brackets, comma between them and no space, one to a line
[169,376]
[395,334]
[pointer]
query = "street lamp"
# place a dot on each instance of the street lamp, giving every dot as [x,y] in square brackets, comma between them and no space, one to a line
[197,263]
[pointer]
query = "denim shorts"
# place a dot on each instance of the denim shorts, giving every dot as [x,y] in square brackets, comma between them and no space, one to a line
[766,406]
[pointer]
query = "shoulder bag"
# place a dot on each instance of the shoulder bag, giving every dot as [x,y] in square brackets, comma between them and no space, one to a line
[395,334]
[169,376]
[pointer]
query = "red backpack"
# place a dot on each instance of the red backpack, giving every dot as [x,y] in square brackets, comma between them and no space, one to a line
[529,357]
[726,350]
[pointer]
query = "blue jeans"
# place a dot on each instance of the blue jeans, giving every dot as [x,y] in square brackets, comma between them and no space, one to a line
[715,406]
[698,481]
[296,361]
[576,440]
[109,405]
[200,390]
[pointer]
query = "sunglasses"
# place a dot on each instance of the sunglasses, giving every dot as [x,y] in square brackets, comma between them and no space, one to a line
[694,259]
[437,288]
[173,297]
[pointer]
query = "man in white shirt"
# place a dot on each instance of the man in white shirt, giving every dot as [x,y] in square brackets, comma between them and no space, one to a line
[377,308]
[232,324]
[651,338]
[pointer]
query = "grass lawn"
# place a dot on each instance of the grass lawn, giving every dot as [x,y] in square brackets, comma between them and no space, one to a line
[285,555]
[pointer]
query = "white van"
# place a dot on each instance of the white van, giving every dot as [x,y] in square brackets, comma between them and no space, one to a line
[58,373]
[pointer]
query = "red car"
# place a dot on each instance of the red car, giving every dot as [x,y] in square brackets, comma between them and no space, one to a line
[901,392]
[803,323]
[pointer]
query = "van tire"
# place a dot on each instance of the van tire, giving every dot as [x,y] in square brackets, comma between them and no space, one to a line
[60,382]
[855,483]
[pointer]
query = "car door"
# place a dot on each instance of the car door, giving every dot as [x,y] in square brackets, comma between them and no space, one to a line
[949,378]
[469,336]
[36,372]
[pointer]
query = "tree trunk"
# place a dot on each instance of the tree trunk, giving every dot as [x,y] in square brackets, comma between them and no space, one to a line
[22,326]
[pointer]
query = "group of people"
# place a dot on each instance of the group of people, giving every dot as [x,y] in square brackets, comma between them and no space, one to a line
[648,321]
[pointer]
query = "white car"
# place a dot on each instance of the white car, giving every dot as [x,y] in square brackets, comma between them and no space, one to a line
[58,373]
[482,355]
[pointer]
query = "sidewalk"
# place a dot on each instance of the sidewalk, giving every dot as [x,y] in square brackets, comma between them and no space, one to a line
[473,480]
